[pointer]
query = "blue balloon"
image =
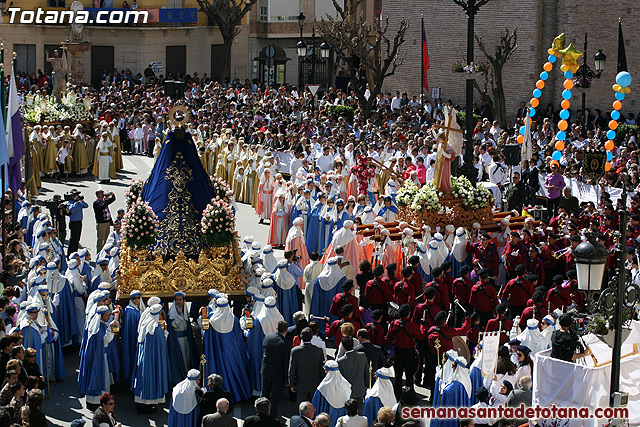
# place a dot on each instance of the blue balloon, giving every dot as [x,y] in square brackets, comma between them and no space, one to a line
[566,94]
[532,112]
[561,135]
[620,96]
[537,93]
[623,78]
[522,129]
[544,75]
[609,156]
[564,114]
[615,114]
[552,58]
[568,75]
[611,134]
[557,155]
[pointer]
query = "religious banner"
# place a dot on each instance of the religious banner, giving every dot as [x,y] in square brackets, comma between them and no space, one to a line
[593,164]
[490,345]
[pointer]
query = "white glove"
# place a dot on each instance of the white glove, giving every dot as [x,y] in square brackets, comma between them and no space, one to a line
[56,299]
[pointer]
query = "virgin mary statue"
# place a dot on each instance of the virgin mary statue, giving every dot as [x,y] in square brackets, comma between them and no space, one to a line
[178,190]
[449,147]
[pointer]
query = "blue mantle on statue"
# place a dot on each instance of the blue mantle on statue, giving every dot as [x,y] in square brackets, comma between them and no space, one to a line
[178,190]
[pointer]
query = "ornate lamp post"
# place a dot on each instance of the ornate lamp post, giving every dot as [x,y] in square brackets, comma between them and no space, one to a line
[310,55]
[620,293]
[585,75]
[470,8]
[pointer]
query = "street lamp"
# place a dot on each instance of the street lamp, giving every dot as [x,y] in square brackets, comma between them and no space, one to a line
[585,75]
[591,257]
[302,48]
[301,19]
[324,50]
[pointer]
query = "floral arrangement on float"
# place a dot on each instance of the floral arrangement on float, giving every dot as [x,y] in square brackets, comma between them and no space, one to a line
[218,223]
[132,193]
[37,109]
[140,225]
[363,173]
[220,186]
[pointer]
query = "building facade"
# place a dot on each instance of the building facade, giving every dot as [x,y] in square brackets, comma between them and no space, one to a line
[538,23]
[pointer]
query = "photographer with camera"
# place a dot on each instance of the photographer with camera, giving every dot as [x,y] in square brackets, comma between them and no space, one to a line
[57,210]
[103,215]
[565,342]
[296,271]
[74,209]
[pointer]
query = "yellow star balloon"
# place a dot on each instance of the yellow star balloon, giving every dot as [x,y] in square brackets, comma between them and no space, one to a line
[570,57]
[557,45]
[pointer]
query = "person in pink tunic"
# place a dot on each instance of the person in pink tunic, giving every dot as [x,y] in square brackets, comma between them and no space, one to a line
[346,238]
[279,226]
[295,242]
[265,196]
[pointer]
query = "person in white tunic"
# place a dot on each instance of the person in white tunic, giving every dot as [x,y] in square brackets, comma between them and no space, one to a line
[104,158]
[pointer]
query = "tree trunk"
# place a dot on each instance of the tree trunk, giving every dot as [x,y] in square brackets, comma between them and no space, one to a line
[226,57]
[500,108]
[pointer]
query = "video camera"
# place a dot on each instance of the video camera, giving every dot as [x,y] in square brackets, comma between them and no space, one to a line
[296,257]
[73,195]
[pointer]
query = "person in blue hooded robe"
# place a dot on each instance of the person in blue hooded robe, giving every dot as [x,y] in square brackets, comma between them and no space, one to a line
[129,333]
[86,269]
[327,224]
[182,346]
[332,393]
[264,322]
[314,228]
[302,209]
[327,285]
[228,351]
[184,409]
[94,377]
[475,373]
[52,350]
[388,211]
[150,375]
[101,274]
[424,268]
[341,215]
[178,190]
[381,394]
[456,394]
[64,313]
[32,333]
[112,349]
[286,290]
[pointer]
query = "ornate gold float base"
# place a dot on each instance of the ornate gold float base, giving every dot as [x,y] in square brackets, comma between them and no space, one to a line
[216,268]
[459,216]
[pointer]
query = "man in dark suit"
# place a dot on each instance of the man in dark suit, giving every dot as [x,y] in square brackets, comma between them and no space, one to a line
[305,419]
[306,367]
[220,418]
[275,364]
[261,419]
[208,400]
[353,367]
[375,356]
[522,396]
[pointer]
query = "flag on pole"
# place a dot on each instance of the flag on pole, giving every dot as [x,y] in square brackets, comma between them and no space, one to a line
[4,153]
[527,147]
[622,53]
[425,59]
[15,135]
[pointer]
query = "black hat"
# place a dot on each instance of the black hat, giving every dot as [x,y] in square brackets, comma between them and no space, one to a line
[571,274]
[407,272]
[558,279]
[501,308]
[464,270]
[635,217]
[483,273]
[346,309]
[503,352]
[565,320]
[430,292]
[378,270]
[515,234]
[437,271]
[553,236]
[377,314]
[520,268]
[347,285]
[575,238]
[392,266]
[414,259]
[440,318]
[514,341]
[484,235]
[524,349]
[405,311]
